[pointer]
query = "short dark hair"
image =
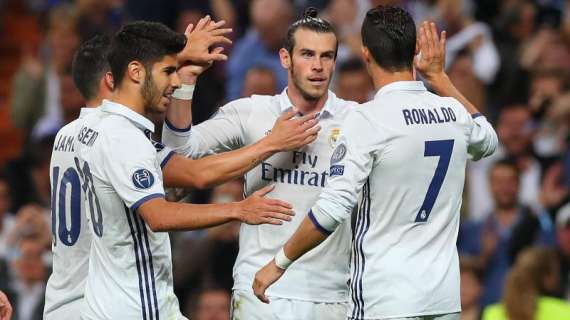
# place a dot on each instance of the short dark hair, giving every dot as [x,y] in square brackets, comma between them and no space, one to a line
[389,33]
[90,65]
[351,65]
[308,21]
[507,162]
[143,41]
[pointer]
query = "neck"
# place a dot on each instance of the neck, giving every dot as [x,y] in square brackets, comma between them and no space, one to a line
[129,100]
[381,77]
[94,103]
[506,216]
[303,105]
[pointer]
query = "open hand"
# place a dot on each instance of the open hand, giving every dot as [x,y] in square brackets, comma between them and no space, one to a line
[256,209]
[264,278]
[205,34]
[430,63]
[291,134]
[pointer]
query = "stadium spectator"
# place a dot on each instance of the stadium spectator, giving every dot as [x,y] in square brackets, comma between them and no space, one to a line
[6,218]
[495,242]
[353,82]
[471,289]
[563,237]
[36,98]
[208,261]
[259,47]
[515,129]
[26,290]
[259,80]
[529,288]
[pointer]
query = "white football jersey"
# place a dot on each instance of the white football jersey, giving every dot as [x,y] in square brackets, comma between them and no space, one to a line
[71,236]
[406,150]
[321,275]
[130,267]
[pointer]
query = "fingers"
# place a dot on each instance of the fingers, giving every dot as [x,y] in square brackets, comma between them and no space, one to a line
[309,124]
[281,203]
[189,29]
[259,291]
[272,221]
[265,190]
[443,41]
[214,25]
[277,216]
[211,57]
[307,117]
[202,23]
[287,115]
[310,139]
[221,32]
[219,39]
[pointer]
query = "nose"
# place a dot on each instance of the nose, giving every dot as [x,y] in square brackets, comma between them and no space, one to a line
[175,81]
[317,64]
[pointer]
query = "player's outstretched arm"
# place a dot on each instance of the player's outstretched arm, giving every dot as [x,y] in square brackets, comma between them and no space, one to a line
[5,307]
[162,215]
[430,64]
[287,134]
[303,240]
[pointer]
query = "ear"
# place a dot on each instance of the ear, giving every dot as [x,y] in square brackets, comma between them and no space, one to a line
[136,72]
[285,58]
[108,81]
[365,54]
[417,46]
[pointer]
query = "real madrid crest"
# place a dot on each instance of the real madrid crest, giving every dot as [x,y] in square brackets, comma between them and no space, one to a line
[335,132]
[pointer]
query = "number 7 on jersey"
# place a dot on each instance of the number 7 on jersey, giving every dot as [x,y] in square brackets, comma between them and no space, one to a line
[443,150]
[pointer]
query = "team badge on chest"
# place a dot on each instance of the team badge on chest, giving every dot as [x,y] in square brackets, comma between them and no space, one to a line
[333,137]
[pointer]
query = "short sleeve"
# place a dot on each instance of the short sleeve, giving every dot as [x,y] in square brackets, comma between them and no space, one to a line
[224,131]
[132,168]
[350,166]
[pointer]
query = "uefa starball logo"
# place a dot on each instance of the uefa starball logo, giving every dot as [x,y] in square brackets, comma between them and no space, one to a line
[143,179]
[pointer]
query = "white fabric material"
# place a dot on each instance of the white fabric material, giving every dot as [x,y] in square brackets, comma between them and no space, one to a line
[130,267]
[246,306]
[320,275]
[70,265]
[404,259]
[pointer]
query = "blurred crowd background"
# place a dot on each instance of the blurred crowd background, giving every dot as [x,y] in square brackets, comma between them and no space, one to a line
[510,57]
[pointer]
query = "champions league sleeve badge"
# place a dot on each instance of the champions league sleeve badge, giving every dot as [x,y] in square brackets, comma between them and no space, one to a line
[143,179]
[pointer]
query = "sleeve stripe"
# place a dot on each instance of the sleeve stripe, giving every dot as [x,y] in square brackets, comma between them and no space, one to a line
[318,225]
[173,128]
[165,160]
[476,115]
[137,204]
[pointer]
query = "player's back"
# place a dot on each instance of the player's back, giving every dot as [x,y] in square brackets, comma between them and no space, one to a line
[405,261]
[130,272]
[71,234]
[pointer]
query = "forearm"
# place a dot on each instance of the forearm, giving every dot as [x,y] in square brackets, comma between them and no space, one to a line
[217,169]
[303,240]
[444,87]
[171,216]
[179,113]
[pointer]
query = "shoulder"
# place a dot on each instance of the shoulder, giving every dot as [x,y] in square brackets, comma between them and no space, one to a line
[554,306]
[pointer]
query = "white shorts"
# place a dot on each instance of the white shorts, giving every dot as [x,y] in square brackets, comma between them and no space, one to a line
[246,306]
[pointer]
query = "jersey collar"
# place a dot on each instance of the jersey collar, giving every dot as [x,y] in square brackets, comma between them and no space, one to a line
[85,111]
[328,109]
[117,108]
[401,86]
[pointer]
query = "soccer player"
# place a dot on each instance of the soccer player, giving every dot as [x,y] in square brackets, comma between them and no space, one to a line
[315,288]
[70,232]
[119,172]
[406,150]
